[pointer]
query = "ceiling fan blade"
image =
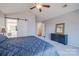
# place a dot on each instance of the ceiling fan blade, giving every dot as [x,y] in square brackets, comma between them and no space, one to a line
[33,7]
[40,9]
[46,6]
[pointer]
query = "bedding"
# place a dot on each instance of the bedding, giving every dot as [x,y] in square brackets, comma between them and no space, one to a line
[2,38]
[27,46]
[64,50]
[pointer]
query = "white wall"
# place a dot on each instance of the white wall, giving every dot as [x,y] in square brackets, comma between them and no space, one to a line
[25,28]
[2,22]
[71,21]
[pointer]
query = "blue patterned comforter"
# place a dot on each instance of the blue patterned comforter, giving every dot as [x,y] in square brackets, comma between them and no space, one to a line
[26,46]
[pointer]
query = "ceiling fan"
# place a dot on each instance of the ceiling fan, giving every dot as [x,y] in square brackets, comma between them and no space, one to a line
[39,6]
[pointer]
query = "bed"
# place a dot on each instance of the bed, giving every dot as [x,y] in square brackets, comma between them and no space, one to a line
[26,46]
[34,46]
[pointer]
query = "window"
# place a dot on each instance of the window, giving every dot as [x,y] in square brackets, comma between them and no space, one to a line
[11,27]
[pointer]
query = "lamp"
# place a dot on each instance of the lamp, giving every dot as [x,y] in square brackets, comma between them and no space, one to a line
[3,31]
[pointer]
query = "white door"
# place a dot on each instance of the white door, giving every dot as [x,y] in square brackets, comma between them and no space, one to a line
[21,28]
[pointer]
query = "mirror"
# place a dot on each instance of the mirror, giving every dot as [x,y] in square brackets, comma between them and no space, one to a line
[59,28]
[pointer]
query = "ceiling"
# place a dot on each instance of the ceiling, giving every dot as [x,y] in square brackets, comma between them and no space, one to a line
[56,9]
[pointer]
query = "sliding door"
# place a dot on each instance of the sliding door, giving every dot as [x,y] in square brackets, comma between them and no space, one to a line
[16,27]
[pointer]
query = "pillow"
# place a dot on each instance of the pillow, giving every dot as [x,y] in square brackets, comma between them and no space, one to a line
[2,38]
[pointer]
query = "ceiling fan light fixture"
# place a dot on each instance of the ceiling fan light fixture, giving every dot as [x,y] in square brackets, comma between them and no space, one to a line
[38,6]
